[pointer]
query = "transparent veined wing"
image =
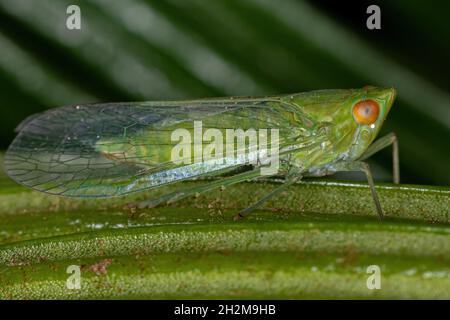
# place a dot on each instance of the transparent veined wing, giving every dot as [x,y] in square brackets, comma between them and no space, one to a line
[104,150]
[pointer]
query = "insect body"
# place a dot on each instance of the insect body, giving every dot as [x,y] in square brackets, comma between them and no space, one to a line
[105,150]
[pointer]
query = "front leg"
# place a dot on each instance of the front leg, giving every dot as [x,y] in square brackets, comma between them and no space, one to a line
[381,143]
[364,167]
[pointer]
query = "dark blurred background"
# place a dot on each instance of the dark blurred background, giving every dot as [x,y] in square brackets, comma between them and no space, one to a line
[147,50]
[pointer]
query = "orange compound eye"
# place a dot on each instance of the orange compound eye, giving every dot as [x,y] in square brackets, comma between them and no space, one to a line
[366,112]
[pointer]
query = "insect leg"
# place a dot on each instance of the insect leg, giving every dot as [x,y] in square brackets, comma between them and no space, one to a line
[178,195]
[289,181]
[364,167]
[381,143]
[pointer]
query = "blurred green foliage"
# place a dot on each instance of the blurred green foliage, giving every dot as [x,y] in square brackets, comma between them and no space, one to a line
[146,50]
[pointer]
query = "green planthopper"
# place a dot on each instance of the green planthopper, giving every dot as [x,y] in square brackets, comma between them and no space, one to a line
[113,149]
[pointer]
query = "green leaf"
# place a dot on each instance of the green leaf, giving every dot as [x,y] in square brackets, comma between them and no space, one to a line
[316,240]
